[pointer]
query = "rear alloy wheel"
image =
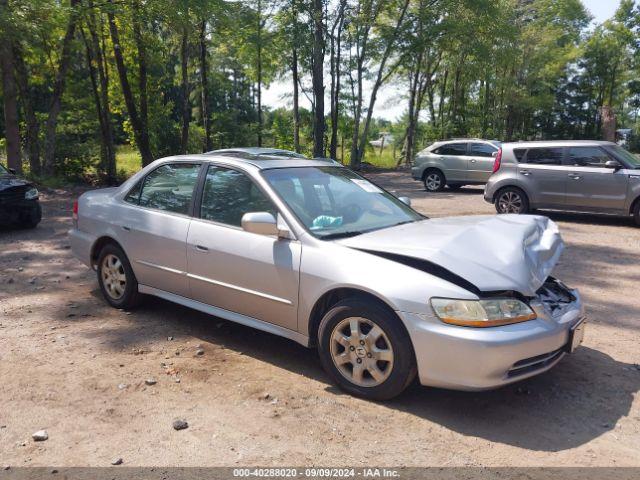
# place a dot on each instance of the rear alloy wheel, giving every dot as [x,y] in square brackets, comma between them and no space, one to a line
[511,200]
[366,350]
[115,276]
[434,181]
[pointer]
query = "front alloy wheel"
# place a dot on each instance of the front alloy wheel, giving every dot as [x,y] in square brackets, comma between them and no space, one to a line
[511,200]
[361,352]
[365,348]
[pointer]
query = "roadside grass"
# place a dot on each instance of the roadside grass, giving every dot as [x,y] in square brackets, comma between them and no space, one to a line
[128,161]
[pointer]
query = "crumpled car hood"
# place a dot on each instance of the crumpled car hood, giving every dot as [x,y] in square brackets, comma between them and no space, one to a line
[494,253]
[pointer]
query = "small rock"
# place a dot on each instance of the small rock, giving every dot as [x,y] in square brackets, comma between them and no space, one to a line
[69,315]
[265,396]
[180,425]
[6,467]
[150,381]
[200,352]
[20,269]
[40,436]
[177,380]
[54,471]
[10,280]
[122,386]
[32,280]
[169,339]
[117,461]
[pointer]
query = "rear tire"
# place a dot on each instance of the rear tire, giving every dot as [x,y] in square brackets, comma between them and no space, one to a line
[366,350]
[511,200]
[116,278]
[434,180]
[636,213]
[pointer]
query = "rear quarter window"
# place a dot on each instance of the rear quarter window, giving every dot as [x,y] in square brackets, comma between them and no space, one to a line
[519,153]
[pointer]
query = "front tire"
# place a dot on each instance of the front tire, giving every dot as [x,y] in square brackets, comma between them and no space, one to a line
[434,180]
[116,278]
[33,218]
[511,200]
[366,350]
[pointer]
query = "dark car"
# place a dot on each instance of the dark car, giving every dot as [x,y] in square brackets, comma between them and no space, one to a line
[19,203]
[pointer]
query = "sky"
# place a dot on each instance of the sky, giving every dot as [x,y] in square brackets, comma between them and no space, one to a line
[390,104]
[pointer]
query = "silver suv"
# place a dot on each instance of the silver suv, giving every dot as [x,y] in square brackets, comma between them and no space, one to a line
[455,163]
[588,176]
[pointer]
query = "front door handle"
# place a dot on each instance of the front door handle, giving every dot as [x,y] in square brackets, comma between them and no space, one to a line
[473,161]
[126,229]
[201,248]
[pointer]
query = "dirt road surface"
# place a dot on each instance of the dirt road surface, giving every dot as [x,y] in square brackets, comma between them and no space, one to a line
[77,368]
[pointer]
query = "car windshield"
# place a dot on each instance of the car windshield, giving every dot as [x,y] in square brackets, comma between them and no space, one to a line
[334,202]
[624,155]
[3,171]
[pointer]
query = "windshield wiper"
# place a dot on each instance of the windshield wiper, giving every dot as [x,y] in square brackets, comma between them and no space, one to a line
[347,234]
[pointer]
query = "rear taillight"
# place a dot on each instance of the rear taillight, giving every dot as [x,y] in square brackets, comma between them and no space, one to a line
[496,162]
[75,213]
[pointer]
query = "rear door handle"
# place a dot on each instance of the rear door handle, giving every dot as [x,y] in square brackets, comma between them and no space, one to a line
[526,173]
[473,161]
[574,176]
[125,228]
[201,248]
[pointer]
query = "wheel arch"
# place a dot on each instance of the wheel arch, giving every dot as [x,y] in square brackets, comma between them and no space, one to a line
[331,298]
[99,244]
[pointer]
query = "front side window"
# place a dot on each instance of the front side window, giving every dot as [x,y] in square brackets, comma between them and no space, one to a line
[229,194]
[454,149]
[170,187]
[335,202]
[482,150]
[545,156]
[587,157]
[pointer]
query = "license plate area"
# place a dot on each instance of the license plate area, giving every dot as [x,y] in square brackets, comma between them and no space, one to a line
[576,336]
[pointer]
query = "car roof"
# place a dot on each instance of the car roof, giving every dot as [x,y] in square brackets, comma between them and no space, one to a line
[255,152]
[263,163]
[555,143]
[464,140]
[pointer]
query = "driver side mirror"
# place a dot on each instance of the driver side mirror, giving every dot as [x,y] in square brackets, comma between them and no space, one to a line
[405,200]
[613,164]
[264,223]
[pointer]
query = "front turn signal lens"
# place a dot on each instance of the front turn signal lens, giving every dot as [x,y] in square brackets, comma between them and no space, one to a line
[482,313]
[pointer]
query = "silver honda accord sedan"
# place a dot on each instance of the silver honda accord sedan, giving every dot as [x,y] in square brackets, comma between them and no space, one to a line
[320,255]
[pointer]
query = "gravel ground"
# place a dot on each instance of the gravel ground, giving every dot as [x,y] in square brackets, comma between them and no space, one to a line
[107,384]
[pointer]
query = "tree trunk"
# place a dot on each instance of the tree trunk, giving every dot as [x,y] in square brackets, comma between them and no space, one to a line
[296,102]
[32,126]
[317,79]
[141,48]
[336,58]
[186,108]
[141,137]
[259,92]
[204,85]
[58,90]
[10,98]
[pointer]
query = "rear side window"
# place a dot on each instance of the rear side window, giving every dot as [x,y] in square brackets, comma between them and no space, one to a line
[519,153]
[587,157]
[482,150]
[452,149]
[545,156]
[170,187]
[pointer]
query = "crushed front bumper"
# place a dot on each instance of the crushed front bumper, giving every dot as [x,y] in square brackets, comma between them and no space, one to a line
[465,358]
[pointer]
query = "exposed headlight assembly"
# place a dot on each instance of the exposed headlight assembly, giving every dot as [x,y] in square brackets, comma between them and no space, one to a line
[482,313]
[31,194]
